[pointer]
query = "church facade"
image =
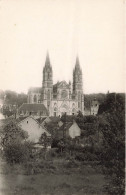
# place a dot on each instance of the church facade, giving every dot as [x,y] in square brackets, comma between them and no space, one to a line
[61,97]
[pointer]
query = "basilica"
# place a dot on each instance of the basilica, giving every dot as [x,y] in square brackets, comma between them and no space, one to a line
[61,97]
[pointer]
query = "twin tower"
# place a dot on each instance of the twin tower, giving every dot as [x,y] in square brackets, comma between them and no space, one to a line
[61,97]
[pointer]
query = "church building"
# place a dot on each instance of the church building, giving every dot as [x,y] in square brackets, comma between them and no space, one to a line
[61,97]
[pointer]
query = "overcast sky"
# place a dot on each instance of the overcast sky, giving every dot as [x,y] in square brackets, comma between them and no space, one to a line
[91,29]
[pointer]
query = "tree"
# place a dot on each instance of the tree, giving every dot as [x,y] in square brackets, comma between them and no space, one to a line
[21,98]
[15,147]
[53,129]
[113,102]
[89,97]
[44,140]
[61,145]
[112,125]
[80,119]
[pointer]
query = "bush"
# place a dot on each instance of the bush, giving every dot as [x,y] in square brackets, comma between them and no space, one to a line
[55,142]
[17,152]
[38,167]
[15,148]
[86,156]
[72,164]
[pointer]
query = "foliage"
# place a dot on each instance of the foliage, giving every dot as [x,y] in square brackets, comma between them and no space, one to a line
[44,140]
[112,125]
[68,118]
[12,97]
[64,117]
[89,97]
[61,145]
[12,133]
[22,98]
[88,124]
[52,128]
[113,102]
[18,152]
[7,112]
[90,119]
[55,142]
[15,147]
[80,117]
[82,120]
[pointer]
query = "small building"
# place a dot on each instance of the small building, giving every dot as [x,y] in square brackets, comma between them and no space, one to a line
[34,129]
[70,129]
[35,110]
[94,107]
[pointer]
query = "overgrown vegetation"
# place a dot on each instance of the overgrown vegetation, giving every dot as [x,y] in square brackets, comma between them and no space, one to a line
[100,146]
[112,125]
[13,141]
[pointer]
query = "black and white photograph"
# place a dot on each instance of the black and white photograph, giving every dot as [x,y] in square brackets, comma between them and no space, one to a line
[62,97]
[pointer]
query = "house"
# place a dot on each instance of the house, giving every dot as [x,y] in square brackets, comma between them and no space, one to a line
[66,119]
[94,107]
[34,129]
[51,124]
[70,129]
[35,110]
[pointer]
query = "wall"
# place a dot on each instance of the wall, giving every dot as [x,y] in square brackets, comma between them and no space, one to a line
[74,130]
[33,128]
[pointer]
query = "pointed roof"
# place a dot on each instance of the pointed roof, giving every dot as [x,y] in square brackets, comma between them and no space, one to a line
[47,62]
[77,64]
[33,108]
[77,67]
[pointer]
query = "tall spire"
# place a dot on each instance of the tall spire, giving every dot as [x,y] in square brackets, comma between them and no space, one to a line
[47,62]
[77,64]
[47,73]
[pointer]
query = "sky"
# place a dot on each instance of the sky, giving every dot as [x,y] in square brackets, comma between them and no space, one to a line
[91,29]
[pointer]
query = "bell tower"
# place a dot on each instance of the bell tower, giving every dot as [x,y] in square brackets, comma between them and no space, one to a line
[78,85]
[47,84]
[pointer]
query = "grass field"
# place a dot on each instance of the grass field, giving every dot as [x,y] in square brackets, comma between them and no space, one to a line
[63,180]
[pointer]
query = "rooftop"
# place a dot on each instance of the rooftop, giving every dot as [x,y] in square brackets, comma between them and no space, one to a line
[33,108]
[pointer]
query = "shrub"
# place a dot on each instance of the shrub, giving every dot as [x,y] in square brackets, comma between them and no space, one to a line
[17,152]
[15,148]
[85,156]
